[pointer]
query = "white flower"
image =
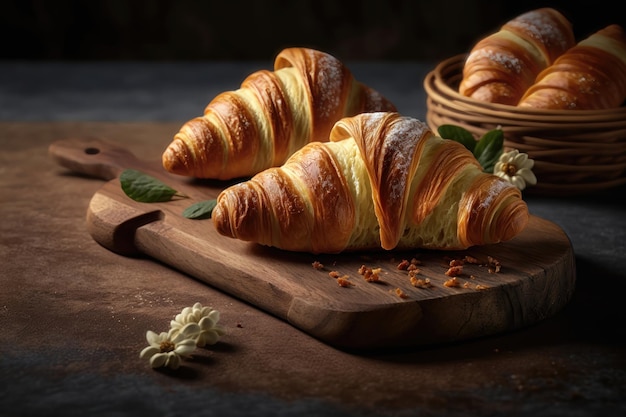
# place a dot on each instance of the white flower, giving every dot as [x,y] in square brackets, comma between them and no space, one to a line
[206,330]
[167,349]
[516,168]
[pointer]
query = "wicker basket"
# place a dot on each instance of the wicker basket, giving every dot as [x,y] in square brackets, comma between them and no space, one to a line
[575,151]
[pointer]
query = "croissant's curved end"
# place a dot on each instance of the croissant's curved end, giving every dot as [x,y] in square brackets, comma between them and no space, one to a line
[175,160]
[508,215]
[232,216]
[221,221]
[197,142]
[491,211]
[514,221]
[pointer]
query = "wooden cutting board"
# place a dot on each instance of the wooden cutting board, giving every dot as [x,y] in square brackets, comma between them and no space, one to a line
[536,277]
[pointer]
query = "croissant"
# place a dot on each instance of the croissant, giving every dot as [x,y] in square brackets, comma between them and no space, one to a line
[501,66]
[271,115]
[382,181]
[589,76]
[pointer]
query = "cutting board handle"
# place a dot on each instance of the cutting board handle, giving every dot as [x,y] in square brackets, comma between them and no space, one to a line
[93,157]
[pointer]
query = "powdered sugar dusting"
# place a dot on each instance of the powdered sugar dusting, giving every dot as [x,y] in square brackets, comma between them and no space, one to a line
[328,81]
[542,27]
[496,188]
[402,138]
[373,120]
[504,60]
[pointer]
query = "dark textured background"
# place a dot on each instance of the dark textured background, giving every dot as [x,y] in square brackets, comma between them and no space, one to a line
[238,29]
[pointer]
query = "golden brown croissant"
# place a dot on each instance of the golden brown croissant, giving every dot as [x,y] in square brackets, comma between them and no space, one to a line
[501,66]
[589,76]
[271,115]
[383,180]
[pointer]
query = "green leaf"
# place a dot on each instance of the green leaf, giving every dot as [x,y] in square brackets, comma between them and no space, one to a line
[144,188]
[489,148]
[200,210]
[458,134]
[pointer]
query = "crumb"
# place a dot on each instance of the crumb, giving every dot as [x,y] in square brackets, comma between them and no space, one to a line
[452,282]
[494,265]
[466,284]
[334,274]
[456,262]
[471,260]
[414,272]
[370,275]
[318,265]
[240,325]
[480,287]
[421,282]
[399,293]
[402,266]
[455,271]
[344,281]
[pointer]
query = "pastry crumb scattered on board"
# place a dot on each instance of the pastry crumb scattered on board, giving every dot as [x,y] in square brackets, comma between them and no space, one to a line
[455,269]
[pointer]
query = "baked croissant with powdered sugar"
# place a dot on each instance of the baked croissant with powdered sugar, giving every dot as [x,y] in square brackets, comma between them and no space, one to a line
[272,115]
[382,181]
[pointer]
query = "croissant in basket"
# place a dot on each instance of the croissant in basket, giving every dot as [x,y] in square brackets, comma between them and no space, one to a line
[382,181]
[271,115]
[588,76]
[501,66]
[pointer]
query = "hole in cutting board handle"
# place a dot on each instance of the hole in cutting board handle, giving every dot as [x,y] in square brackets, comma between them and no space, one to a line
[93,157]
[92,151]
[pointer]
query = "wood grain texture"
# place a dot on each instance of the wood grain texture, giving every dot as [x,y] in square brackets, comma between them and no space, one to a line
[537,276]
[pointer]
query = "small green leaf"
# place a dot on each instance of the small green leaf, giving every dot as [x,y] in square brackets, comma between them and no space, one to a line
[458,134]
[489,148]
[144,188]
[200,210]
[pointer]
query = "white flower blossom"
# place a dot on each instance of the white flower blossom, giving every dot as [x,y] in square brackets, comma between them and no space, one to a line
[167,348]
[200,323]
[516,168]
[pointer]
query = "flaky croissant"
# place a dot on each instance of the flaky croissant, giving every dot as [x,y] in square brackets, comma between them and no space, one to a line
[589,76]
[382,181]
[501,66]
[271,115]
